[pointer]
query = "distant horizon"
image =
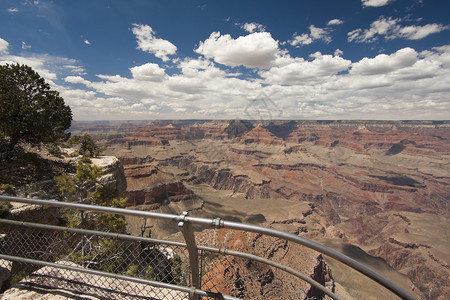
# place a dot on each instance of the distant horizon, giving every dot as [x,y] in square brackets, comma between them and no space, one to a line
[268,120]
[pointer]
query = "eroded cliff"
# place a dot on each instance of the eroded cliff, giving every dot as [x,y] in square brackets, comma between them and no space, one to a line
[382,186]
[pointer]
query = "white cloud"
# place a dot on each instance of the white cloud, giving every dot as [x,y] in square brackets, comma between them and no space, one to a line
[338,52]
[392,29]
[148,72]
[354,35]
[3,46]
[13,10]
[87,42]
[335,22]
[36,63]
[195,64]
[318,88]
[319,34]
[303,39]
[382,26]
[253,27]
[300,71]
[201,68]
[47,66]
[382,64]
[419,32]
[315,34]
[149,43]
[375,3]
[256,50]
[25,46]
[77,79]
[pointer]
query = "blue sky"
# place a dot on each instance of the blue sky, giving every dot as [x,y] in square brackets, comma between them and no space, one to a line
[123,60]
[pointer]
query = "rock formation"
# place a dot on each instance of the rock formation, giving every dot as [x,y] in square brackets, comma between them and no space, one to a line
[379,185]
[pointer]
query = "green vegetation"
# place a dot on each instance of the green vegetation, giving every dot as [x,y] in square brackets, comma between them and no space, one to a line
[87,145]
[4,208]
[132,270]
[29,110]
[149,273]
[5,205]
[84,187]
[18,277]
[6,189]
[177,269]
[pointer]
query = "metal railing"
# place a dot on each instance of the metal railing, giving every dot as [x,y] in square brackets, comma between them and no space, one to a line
[159,269]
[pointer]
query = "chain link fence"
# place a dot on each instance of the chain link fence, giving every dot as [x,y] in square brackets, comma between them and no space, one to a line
[139,259]
[257,263]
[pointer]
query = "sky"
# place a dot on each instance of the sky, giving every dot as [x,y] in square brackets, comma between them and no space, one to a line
[236,59]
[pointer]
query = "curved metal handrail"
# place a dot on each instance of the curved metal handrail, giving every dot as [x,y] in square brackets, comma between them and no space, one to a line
[218,223]
[171,243]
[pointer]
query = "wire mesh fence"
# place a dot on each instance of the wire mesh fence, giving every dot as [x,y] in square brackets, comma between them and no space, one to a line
[220,274]
[235,260]
[146,260]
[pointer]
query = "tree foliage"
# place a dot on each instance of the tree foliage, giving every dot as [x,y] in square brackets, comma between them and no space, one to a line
[30,111]
[4,208]
[87,145]
[84,187]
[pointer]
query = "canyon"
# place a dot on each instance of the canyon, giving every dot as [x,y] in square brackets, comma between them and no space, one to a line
[377,191]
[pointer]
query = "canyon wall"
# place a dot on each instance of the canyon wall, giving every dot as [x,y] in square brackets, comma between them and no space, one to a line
[380,185]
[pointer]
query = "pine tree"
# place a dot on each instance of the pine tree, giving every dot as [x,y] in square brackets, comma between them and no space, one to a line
[30,111]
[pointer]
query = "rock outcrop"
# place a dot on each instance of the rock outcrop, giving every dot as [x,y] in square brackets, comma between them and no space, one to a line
[113,177]
[247,279]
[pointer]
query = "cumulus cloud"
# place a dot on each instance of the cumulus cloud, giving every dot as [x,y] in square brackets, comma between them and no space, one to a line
[300,71]
[321,87]
[315,34]
[201,68]
[3,46]
[148,72]
[87,42]
[383,63]
[375,3]
[338,52]
[13,10]
[76,79]
[335,22]
[303,39]
[391,29]
[149,43]
[256,50]
[253,27]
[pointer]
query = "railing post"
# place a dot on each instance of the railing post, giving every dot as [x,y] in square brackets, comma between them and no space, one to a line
[188,234]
